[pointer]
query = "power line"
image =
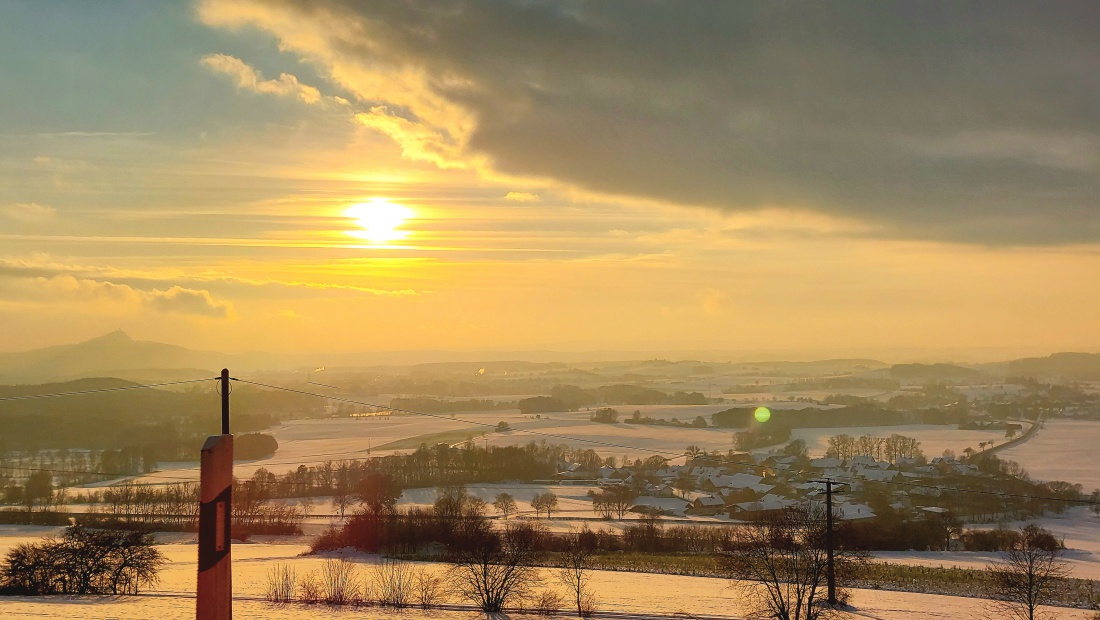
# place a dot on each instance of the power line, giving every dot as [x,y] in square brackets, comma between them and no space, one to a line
[101,390]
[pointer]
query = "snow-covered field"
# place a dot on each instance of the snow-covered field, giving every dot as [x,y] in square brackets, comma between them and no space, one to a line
[1078,527]
[1066,450]
[311,442]
[620,440]
[644,594]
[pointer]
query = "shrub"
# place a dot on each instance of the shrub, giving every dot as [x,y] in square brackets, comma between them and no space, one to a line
[338,583]
[547,603]
[989,540]
[83,561]
[394,583]
[429,589]
[588,606]
[309,588]
[282,581]
[251,446]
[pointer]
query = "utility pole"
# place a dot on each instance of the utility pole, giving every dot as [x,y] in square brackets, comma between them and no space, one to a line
[831,574]
[214,588]
[830,571]
[225,400]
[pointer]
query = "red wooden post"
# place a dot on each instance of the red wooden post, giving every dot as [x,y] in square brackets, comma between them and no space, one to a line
[215,583]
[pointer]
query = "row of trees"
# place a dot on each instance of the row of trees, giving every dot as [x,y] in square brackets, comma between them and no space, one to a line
[172,506]
[890,449]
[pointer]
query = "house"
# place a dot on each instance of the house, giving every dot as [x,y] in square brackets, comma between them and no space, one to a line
[854,512]
[826,463]
[743,495]
[765,506]
[661,490]
[728,481]
[876,475]
[706,505]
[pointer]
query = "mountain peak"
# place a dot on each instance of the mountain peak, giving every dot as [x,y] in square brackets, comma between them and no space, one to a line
[117,336]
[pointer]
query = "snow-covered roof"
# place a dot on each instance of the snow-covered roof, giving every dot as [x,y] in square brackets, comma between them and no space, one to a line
[878,475]
[734,481]
[852,512]
[778,503]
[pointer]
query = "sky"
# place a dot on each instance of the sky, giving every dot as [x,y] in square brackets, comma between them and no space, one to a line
[333,175]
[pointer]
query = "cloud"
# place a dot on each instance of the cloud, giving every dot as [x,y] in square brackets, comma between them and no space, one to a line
[418,141]
[521,197]
[248,78]
[189,301]
[65,288]
[30,212]
[41,266]
[964,122]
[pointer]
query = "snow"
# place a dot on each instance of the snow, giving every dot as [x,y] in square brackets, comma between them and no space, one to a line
[620,440]
[648,595]
[1062,450]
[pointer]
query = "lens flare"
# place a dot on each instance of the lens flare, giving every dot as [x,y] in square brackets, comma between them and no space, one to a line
[762,414]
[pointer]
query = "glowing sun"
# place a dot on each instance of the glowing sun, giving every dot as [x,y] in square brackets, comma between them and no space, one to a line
[379,220]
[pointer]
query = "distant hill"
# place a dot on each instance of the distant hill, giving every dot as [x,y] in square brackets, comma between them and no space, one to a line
[115,354]
[1070,366]
[931,372]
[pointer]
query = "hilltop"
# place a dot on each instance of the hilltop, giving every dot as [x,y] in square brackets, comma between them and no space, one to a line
[116,355]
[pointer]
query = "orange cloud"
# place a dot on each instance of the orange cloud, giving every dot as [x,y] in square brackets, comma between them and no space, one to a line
[248,78]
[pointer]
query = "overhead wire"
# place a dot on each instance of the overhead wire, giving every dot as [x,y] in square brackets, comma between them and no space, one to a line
[102,390]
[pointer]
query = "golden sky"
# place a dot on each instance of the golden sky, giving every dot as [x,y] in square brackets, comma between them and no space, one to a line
[333,176]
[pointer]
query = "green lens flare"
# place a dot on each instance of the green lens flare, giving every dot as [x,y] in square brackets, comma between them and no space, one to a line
[762,414]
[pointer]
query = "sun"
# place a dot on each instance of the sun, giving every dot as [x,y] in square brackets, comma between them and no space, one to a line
[380,220]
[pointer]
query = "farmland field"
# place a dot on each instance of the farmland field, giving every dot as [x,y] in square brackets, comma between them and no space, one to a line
[1063,450]
[647,595]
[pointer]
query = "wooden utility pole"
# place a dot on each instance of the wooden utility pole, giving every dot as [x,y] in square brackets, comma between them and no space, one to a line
[214,591]
[831,574]
[224,381]
[830,569]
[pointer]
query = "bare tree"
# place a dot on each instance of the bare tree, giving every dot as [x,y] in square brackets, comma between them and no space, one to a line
[620,499]
[574,572]
[544,502]
[499,569]
[1031,573]
[783,561]
[549,503]
[505,504]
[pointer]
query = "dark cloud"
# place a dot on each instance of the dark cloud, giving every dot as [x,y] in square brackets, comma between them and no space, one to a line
[975,122]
